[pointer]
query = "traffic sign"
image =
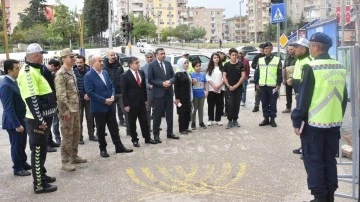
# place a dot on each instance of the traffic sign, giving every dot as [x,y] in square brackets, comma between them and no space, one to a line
[278,13]
[283,40]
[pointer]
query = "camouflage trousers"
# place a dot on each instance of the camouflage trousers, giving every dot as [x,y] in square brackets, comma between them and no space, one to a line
[70,131]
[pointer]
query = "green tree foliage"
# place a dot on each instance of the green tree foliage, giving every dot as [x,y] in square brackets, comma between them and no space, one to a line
[182,32]
[33,15]
[96,16]
[64,27]
[143,28]
[1,18]
[270,32]
[197,33]
[167,33]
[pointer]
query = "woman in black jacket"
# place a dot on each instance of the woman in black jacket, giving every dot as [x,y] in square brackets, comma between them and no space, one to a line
[183,95]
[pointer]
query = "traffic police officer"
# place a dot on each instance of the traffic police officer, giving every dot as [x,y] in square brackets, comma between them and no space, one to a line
[319,115]
[268,78]
[303,58]
[40,109]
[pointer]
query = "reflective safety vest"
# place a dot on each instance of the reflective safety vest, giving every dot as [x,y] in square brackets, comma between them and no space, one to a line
[268,73]
[326,104]
[299,66]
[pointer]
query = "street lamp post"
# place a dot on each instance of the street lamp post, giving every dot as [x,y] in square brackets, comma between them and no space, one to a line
[81,22]
[5,28]
[241,1]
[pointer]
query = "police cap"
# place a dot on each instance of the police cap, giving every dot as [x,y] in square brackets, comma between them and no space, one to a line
[321,38]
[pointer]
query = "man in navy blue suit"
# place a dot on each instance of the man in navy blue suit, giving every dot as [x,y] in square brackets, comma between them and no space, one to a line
[101,91]
[162,77]
[13,118]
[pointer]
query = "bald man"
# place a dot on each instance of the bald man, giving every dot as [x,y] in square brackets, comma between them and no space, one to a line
[101,91]
[115,70]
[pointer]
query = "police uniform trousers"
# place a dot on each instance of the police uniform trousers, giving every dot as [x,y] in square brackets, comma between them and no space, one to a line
[320,146]
[70,131]
[268,101]
[38,140]
[18,146]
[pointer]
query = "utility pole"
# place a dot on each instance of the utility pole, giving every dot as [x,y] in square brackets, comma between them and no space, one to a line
[241,1]
[342,17]
[285,27]
[5,28]
[256,13]
[81,22]
[109,23]
[128,12]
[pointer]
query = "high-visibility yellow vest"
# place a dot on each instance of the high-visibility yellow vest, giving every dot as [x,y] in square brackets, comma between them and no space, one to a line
[326,104]
[299,66]
[268,73]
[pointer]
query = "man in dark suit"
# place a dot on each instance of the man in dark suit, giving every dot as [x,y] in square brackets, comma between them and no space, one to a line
[100,90]
[134,97]
[162,77]
[13,118]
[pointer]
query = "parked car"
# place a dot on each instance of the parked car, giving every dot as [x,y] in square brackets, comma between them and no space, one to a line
[250,56]
[173,58]
[146,48]
[141,42]
[246,49]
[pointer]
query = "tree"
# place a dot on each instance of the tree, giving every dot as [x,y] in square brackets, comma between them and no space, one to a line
[33,15]
[197,33]
[182,32]
[270,32]
[96,16]
[64,27]
[143,27]
[167,32]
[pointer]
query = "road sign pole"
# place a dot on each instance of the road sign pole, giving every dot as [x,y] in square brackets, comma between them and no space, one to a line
[278,36]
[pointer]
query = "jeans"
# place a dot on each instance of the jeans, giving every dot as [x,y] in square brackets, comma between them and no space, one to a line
[244,84]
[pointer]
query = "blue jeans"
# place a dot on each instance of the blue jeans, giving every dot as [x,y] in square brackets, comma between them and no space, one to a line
[244,84]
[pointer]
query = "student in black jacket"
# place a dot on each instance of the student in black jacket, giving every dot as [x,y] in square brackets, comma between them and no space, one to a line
[183,95]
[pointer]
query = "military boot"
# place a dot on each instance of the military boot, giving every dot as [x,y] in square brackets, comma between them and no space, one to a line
[77,160]
[68,167]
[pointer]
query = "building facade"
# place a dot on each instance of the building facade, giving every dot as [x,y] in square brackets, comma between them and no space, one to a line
[258,17]
[235,29]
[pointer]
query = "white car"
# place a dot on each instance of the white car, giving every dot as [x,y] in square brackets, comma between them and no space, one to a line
[141,42]
[250,56]
[144,48]
[173,58]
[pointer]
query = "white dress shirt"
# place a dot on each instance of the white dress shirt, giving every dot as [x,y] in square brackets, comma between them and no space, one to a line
[101,76]
[163,64]
[134,73]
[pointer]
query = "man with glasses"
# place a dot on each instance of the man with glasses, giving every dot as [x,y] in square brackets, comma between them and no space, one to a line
[149,56]
[162,77]
[67,96]
[101,92]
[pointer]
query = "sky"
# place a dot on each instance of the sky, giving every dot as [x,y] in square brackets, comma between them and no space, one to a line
[232,7]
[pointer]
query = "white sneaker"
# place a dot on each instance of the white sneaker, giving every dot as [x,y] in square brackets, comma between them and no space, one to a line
[219,123]
[210,123]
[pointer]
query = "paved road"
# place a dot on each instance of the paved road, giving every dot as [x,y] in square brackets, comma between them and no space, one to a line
[249,163]
[214,164]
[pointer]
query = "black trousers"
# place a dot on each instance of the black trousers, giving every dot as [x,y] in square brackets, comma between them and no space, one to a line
[38,140]
[166,104]
[268,101]
[289,90]
[233,101]
[141,114]
[109,119]
[18,145]
[184,113]
[320,146]
[257,97]
[215,100]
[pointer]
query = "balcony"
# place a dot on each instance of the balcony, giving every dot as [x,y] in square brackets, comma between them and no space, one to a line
[182,1]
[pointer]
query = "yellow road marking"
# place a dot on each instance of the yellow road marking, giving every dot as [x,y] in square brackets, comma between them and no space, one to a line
[131,173]
[240,174]
[208,173]
[226,169]
[188,176]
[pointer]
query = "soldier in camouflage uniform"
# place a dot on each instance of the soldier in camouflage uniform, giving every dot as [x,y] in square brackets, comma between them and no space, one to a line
[68,105]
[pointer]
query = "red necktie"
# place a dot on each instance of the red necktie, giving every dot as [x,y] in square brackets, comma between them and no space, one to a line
[138,79]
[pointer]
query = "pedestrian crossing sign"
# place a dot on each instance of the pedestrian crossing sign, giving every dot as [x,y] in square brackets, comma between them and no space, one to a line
[278,13]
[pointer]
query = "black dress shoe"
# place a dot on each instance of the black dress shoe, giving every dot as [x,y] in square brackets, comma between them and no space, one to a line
[122,149]
[104,154]
[157,139]
[160,128]
[150,141]
[45,188]
[256,109]
[297,151]
[53,144]
[27,166]
[273,123]
[81,142]
[136,144]
[189,131]
[264,122]
[22,173]
[51,149]
[183,132]
[93,138]
[172,136]
[48,179]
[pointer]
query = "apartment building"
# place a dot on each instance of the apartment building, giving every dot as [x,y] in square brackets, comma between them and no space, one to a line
[321,8]
[209,18]
[235,29]
[258,17]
